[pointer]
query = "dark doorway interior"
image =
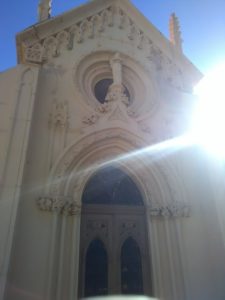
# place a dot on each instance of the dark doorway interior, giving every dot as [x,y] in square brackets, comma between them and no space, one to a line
[114,257]
[96,269]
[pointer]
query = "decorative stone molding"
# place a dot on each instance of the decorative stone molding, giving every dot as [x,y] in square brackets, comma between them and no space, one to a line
[129,227]
[96,227]
[59,115]
[116,93]
[90,119]
[117,115]
[61,205]
[175,34]
[51,46]
[104,108]
[135,91]
[132,113]
[173,210]
[76,149]
[144,126]
[58,127]
[71,208]
[44,10]
[34,54]
[116,65]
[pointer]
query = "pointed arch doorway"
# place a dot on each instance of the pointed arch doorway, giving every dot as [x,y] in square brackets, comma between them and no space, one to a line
[114,255]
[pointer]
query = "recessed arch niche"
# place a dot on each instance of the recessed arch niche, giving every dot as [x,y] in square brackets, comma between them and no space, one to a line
[113,216]
[95,67]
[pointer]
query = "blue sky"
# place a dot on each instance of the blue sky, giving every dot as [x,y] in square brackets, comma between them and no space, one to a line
[202,24]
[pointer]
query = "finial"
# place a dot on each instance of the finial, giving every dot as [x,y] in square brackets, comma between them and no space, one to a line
[44,9]
[175,34]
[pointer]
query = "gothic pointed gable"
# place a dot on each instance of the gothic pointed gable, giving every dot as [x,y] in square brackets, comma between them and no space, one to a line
[51,37]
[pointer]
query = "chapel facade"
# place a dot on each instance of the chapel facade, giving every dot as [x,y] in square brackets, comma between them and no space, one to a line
[100,192]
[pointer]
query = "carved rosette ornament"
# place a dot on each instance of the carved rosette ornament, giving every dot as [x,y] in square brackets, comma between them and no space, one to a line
[60,205]
[90,119]
[173,210]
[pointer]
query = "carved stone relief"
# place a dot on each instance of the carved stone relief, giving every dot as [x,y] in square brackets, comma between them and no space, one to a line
[104,108]
[90,119]
[129,227]
[115,99]
[61,205]
[67,206]
[116,93]
[58,127]
[144,126]
[53,45]
[34,53]
[117,115]
[174,209]
[59,115]
[96,227]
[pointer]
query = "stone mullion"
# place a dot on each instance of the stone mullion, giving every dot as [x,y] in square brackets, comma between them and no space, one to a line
[61,207]
[173,243]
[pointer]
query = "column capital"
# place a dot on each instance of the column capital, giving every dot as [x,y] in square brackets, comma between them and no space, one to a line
[59,204]
[174,209]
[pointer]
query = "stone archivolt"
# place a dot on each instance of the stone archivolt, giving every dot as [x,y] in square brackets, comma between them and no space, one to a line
[170,202]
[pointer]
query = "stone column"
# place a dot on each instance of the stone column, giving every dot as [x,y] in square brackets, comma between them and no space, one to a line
[168,276]
[62,208]
[116,65]
[116,91]
[58,126]
[75,245]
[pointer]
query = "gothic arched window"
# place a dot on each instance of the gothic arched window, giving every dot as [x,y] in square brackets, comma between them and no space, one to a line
[113,237]
[111,186]
[96,269]
[131,268]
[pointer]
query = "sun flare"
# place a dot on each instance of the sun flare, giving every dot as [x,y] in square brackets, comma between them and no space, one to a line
[208,123]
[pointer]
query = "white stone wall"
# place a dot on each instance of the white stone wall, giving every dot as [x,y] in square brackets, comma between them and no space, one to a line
[17,99]
[56,136]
